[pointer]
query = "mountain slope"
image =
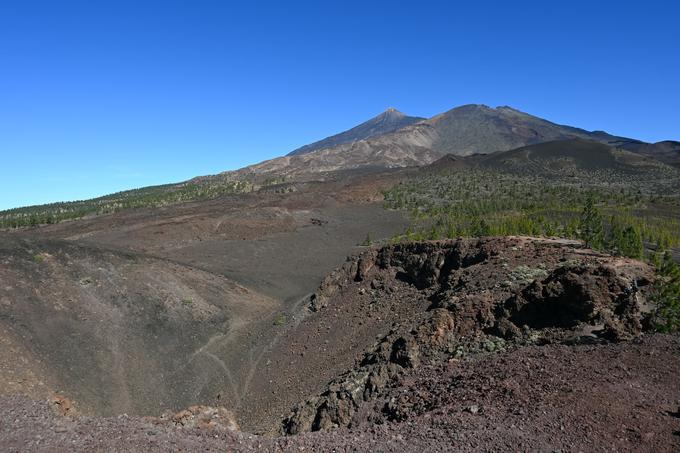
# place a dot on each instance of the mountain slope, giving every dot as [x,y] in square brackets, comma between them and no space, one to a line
[667,151]
[118,331]
[388,121]
[472,129]
[462,131]
[564,157]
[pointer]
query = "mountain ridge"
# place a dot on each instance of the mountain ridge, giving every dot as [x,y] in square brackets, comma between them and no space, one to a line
[462,131]
[467,130]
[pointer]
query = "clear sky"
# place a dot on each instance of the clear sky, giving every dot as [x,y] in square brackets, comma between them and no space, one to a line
[100,96]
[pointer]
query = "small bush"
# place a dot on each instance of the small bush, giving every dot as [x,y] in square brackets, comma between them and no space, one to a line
[525,274]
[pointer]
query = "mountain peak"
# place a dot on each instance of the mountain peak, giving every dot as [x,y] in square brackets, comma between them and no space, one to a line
[393,111]
[388,121]
[392,115]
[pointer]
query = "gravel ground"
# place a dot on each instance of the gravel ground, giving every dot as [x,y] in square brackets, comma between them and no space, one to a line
[615,397]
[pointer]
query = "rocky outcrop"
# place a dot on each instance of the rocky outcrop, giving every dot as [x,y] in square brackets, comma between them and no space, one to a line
[205,418]
[63,406]
[569,296]
[419,263]
[476,307]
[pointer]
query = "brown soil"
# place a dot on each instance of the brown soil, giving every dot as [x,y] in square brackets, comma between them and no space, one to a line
[615,397]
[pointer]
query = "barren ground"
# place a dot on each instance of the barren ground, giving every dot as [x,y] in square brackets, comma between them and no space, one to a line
[619,397]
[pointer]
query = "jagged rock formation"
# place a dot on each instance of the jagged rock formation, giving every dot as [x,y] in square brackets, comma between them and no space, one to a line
[477,304]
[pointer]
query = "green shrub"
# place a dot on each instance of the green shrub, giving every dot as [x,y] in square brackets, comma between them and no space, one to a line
[625,239]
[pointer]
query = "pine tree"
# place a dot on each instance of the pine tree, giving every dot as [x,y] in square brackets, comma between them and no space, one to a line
[484,228]
[590,226]
[549,229]
[666,295]
[570,228]
[631,243]
[434,233]
[451,230]
[615,238]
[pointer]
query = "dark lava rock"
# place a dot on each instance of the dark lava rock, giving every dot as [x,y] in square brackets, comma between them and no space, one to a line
[472,314]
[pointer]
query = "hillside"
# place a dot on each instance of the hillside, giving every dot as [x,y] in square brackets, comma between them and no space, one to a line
[473,129]
[667,151]
[158,308]
[133,330]
[574,156]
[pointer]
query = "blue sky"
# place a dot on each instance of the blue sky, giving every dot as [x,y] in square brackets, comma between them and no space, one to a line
[97,97]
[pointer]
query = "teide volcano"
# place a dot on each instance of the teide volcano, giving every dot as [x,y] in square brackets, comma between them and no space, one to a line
[388,121]
[395,140]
